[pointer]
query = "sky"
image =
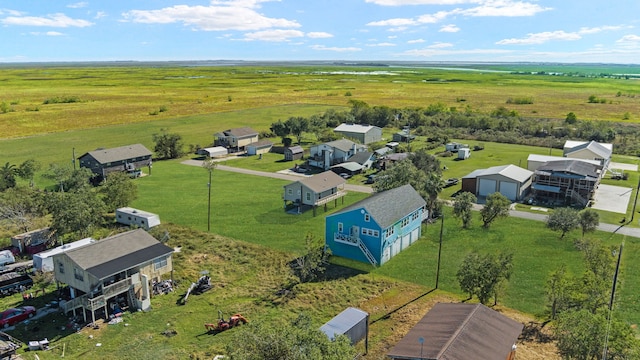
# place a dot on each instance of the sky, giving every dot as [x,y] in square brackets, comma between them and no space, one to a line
[568,31]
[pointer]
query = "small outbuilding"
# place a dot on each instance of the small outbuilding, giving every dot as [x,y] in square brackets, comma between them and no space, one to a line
[213,152]
[33,241]
[464,153]
[352,322]
[135,217]
[454,146]
[293,153]
[365,134]
[260,147]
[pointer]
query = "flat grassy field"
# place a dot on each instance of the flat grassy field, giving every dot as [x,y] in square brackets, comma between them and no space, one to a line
[55,99]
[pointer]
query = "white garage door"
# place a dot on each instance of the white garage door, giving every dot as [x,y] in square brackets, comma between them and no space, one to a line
[395,248]
[487,186]
[509,189]
[415,234]
[406,241]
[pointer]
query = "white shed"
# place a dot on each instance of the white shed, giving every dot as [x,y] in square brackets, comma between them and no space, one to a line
[464,153]
[43,261]
[352,322]
[135,217]
[216,151]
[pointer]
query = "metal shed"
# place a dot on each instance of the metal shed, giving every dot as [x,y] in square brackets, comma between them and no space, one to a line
[352,322]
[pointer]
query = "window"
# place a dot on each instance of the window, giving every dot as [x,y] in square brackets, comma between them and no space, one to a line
[340,227]
[308,196]
[290,191]
[405,222]
[60,267]
[78,274]
[367,217]
[159,263]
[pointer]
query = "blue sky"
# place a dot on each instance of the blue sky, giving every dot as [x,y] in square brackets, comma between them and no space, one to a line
[358,30]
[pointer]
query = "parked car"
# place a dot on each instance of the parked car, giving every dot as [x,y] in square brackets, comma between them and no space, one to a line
[371,179]
[345,175]
[15,315]
[450,182]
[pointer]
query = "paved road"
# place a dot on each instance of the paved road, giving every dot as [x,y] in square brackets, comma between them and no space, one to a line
[612,228]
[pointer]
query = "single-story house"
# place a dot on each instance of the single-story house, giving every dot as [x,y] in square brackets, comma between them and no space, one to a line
[118,270]
[377,228]
[43,261]
[236,139]
[325,155]
[509,180]
[260,147]
[460,331]
[534,161]
[568,181]
[214,152]
[588,150]
[135,217]
[293,153]
[129,158]
[314,191]
[403,137]
[365,134]
[454,146]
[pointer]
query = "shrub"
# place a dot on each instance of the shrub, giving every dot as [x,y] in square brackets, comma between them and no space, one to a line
[61,100]
[348,93]
[520,100]
[163,108]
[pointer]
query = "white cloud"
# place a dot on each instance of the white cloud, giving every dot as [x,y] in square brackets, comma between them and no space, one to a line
[419,2]
[541,38]
[274,35]
[100,15]
[11,12]
[429,52]
[48,33]
[595,30]
[319,35]
[630,41]
[451,28]
[382,44]
[505,8]
[393,22]
[335,49]
[392,36]
[52,20]
[434,18]
[440,45]
[415,41]
[232,15]
[78,5]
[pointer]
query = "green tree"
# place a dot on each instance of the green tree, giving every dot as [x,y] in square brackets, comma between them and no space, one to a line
[462,208]
[298,125]
[118,190]
[282,130]
[317,126]
[403,172]
[559,289]
[485,275]
[8,174]
[496,205]
[28,169]
[76,212]
[571,118]
[167,145]
[287,340]
[564,220]
[22,207]
[313,263]
[589,220]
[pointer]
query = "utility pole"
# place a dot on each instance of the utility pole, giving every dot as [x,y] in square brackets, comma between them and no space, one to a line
[439,249]
[73,158]
[613,294]
[209,164]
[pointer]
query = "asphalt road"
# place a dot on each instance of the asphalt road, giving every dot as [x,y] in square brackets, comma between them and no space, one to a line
[612,228]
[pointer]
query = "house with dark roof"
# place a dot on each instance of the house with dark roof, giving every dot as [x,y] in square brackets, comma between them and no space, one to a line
[365,134]
[460,331]
[314,191]
[566,182]
[236,139]
[356,164]
[113,271]
[325,155]
[129,158]
[511,181]
[377,228]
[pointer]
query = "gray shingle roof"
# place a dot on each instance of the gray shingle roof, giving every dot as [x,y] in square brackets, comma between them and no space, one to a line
[389,206]
[361,157]
[117,253]
[343,144]
[323,181]
[571,166]
[104,156]
[241,132]
[595,147]
[510,171]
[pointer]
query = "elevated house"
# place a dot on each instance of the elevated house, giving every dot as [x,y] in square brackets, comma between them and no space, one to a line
[325,155]
[377,228]
[237,139]
[588,150]
[129,158]
[460,331]
[314,191]
[569,181]
[511,181]
[118,270]
[534,161]
[364,134]
[292,153]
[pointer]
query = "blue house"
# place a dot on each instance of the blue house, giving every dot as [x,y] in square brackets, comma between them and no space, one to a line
[377,228]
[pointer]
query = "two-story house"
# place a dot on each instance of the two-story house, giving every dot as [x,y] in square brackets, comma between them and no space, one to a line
[325,155]
[377,228]
[236,139]
[314,191]
[129,158]
[566,182]
[115,270]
